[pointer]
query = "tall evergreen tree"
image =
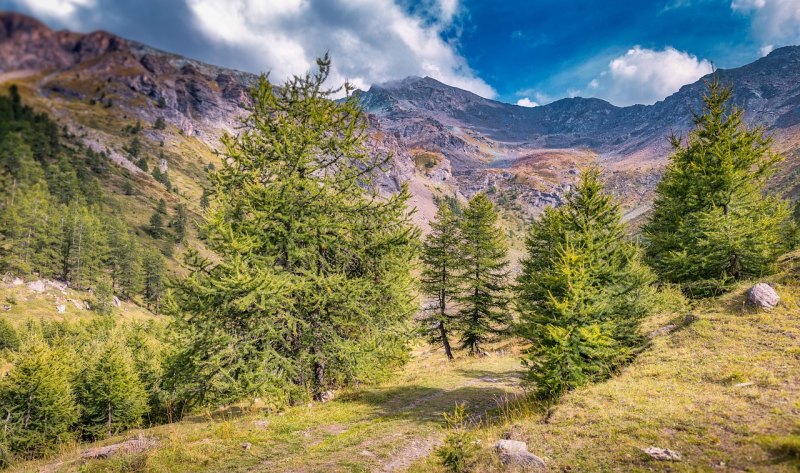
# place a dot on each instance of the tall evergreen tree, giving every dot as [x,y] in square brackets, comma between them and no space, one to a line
[111,395]
[440,261]
[483,276]
[37,402]
[712,222]
[582,291]
[153,275]
[179,223]
[312,287]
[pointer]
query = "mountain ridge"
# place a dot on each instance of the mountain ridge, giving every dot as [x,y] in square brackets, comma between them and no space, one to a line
[445,141]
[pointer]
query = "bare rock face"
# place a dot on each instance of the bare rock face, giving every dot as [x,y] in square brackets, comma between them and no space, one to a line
[37,286]
[662,454]
[515,453]
[763,296]
[129,447]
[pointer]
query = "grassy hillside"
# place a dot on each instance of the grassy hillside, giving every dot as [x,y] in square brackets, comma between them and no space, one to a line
[720,387]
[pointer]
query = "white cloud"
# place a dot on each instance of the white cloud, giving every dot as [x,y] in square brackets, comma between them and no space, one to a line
[646,76]
[61,10]
[774,22]
[766,49]
[370,41]
[526,102]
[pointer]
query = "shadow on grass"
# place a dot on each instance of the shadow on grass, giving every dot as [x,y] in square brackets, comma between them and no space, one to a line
[422,404]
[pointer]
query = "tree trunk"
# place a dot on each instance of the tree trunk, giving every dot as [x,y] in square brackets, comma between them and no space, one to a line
[445,341]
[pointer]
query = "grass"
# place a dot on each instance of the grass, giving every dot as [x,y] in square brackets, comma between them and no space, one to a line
[19,304]
[367,429]
[722,391]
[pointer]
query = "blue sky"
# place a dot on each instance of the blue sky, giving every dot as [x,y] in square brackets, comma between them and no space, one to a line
[527,52]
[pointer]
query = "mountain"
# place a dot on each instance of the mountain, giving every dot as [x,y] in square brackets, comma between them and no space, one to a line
[444,140]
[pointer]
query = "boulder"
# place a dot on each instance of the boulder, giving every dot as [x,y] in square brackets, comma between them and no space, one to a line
[763,296]
[662,454]
[17,282]
[327,396]
[37,286]
[515,453]
[132,446]
[117,302]
[61,308]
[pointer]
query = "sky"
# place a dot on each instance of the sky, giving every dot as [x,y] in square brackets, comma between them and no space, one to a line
[528,52]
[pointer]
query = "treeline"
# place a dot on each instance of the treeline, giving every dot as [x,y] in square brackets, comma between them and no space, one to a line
[74,382]
[53,217]
[584,285]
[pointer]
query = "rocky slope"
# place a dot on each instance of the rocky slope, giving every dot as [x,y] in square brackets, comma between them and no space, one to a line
[445,140]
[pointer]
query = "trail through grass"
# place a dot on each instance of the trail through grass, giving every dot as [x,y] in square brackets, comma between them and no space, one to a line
[384,428]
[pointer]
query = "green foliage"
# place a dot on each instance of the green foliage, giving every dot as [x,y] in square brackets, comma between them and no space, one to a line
[440,260]
[160,124]
[483,276]
[37,401]
[179,223]
[155,226]
[9,339]
[311,287]
[459,447]
[582,291]
[111,395]
[134,149]
[712,223]
[103,297]
[154,274]
[141,163]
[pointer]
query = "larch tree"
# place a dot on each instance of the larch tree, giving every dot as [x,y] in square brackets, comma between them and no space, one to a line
[712,222]
[439,277]
[483,276]
[312,289]
[582,291]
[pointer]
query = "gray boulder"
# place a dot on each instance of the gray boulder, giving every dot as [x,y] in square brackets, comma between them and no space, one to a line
[515,453]
[763,296]
[662,454]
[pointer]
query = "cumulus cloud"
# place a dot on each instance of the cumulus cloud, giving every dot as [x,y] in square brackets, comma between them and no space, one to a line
[774,22]
[526,102]
[370,41]
[61,10]
[645,75]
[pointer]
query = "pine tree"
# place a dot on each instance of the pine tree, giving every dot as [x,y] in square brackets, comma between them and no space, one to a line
[312,285]
[582,291]
[111,394]
[124,258]
[711,222]
[483,276]
[440,261]
[37,403]
[156,225]
[204,199]
[9,340]
[153,271]
[179,223]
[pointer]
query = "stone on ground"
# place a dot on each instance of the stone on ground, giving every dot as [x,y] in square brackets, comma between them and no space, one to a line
[763,296]
[132,446]
[514,452]
[662,454]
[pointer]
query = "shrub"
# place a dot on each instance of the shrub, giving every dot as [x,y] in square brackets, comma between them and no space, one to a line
[459,447]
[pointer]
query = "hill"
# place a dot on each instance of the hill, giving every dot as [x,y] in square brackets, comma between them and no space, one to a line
[718,385]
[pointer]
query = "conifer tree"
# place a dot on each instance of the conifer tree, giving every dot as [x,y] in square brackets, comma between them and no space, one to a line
[312,288]
[483,276]
[582,291]
[153,274]
[179,223]
[441,261]
[111,394]
[37,405]
[712,222]
[156,224]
